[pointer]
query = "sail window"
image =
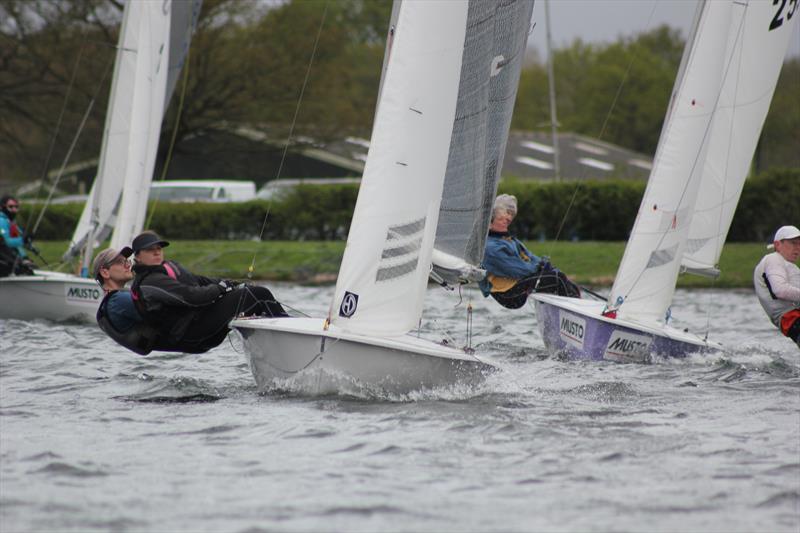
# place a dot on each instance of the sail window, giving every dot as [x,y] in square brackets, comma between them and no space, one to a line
[662,257]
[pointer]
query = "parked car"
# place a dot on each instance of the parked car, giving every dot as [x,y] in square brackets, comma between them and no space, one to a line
[276,188]
[203,191]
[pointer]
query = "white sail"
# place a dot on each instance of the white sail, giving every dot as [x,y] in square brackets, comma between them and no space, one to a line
[497,33]
[131,75]
[645,281]
[757,44]
[103,200]
[384,271]
[149,101]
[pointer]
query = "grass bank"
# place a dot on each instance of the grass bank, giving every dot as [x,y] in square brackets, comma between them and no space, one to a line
[589,263]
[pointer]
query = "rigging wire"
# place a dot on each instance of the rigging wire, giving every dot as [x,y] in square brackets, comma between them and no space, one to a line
[251,268]
[720,243]
[622,82]
[696,159]
[603,127]
[74,142]
[61,114]
[184,84]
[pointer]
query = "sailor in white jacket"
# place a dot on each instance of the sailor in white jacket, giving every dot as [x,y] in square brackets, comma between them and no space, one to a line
[777,282]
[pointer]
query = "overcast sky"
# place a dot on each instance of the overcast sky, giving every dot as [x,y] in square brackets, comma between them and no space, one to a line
[604,21]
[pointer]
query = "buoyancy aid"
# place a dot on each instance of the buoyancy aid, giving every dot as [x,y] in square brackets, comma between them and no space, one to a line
[169,307]
[140,338]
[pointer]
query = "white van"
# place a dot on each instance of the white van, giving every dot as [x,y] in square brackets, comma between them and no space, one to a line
[277,189]
[203,191]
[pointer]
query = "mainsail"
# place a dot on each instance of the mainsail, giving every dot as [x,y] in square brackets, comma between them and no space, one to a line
[384,271]
[757,43]
[494,46]
[645,281]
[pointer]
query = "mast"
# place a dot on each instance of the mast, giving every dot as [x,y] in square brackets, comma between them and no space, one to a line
[552,87]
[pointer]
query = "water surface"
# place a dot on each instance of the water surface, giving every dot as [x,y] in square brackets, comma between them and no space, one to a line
[96,438]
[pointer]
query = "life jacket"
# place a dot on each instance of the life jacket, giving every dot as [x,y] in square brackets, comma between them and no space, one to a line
[171,270]
[140,338]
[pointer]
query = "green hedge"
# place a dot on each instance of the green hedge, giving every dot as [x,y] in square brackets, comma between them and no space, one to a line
[601,211]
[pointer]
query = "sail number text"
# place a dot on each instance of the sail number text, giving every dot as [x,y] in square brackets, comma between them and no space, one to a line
[777,21]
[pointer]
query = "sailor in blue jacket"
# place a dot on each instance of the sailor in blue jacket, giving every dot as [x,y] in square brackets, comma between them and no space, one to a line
[13,258]
[513,271]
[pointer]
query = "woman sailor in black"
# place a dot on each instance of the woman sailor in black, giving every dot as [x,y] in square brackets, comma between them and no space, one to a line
[190,312]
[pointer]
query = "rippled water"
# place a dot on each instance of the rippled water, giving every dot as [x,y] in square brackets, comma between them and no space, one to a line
[96,438]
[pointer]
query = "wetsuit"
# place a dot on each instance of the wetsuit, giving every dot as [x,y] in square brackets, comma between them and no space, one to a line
[192,312]
[513,272]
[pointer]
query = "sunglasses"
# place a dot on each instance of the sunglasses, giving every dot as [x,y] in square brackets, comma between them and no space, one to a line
[12,206]
[118,261]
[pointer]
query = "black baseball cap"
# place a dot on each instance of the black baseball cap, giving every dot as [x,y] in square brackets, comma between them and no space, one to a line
[146,240]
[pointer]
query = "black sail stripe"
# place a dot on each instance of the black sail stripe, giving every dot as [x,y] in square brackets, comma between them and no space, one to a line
[388,273]
[404,230]
[404,249]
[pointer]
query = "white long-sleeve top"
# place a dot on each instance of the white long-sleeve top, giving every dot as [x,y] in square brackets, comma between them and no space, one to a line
[784,280]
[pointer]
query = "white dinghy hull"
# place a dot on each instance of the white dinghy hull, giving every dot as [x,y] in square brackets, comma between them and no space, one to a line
[577,329]
[50,296]
[327,362]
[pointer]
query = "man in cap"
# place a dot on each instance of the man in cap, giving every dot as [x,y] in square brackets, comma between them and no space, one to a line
[513,271]
[117,315]
[777,282]
[189,311]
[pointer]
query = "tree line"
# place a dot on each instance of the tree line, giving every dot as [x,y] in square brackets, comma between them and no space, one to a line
[250,62]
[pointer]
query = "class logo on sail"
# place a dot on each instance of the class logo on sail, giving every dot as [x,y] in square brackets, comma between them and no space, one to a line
[572,329]
[79,294]
[349,305]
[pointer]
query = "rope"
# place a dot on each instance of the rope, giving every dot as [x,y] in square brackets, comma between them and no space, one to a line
[251,268]
[50,149]
[694,163]
[167,161]
[72,146]
[602,129]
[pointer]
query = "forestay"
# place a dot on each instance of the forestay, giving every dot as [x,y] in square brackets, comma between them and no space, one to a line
[757,43]
[494,46]
[384,271]
[645,282]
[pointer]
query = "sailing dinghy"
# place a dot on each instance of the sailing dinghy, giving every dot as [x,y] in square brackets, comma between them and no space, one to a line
[446,95]
[153,35]
[721,97]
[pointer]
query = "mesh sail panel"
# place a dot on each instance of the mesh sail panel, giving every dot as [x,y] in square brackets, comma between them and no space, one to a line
[497,33]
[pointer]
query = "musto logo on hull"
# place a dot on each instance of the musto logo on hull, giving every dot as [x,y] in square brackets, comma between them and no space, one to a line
[79,294]
[625,347]
[571,329]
